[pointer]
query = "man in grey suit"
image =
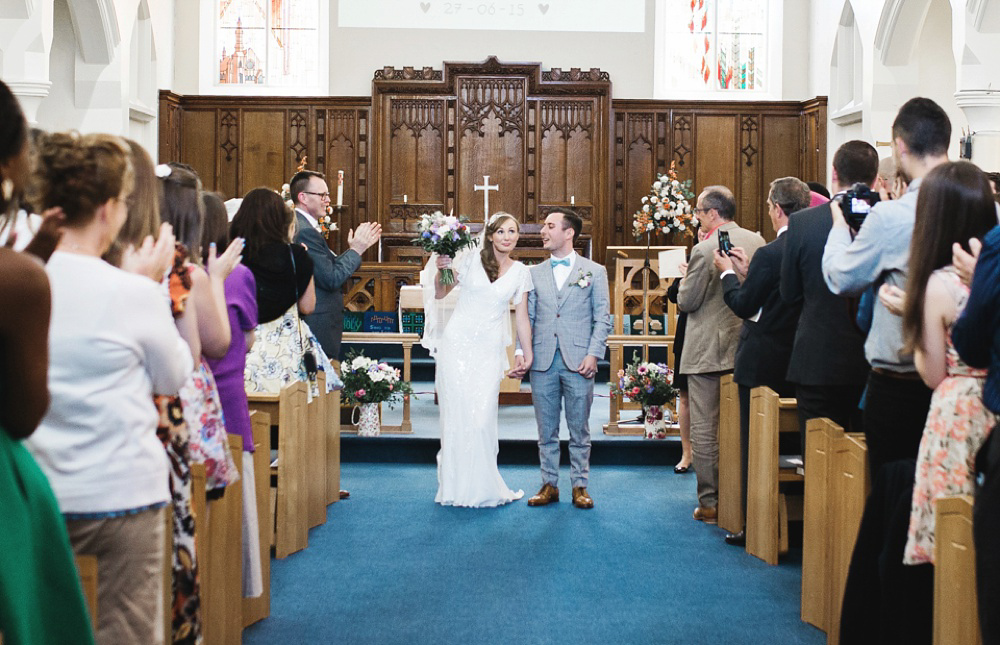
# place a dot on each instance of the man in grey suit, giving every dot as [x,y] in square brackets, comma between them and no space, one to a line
[570,322]
[712,335]
[330,271]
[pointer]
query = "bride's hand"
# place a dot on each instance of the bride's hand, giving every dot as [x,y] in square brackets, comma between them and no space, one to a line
[443,262]
[521,365]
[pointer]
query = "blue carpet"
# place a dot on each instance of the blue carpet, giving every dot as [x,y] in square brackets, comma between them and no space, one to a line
[390,566]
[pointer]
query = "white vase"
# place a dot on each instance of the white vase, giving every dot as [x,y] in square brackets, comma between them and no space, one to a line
[656,419]
[368,423]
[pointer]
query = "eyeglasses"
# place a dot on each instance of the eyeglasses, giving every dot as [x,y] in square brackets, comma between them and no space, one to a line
[700,210]
[322,196]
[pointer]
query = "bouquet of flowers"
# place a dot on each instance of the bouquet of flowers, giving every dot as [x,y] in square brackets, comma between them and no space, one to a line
[646,383]
[666,208]
[369,381]
[444,235]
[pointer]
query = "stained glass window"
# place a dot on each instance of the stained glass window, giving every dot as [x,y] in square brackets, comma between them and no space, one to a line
[713,45]
[268,42]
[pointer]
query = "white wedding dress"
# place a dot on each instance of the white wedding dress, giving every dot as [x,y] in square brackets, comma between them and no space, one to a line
[470,347]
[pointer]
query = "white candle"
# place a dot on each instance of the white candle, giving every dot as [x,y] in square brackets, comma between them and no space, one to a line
[404,199]
[380,249]
[572,200]
[340,188]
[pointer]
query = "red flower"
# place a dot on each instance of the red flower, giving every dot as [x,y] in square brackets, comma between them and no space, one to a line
[360,393]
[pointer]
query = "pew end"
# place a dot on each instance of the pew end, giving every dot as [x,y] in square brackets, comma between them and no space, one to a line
[956,620]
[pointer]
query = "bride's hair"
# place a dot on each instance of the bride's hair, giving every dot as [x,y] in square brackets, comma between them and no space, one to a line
[487,254]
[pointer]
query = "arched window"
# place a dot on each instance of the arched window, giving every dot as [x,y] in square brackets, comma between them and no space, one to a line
[271,44]
[715,47]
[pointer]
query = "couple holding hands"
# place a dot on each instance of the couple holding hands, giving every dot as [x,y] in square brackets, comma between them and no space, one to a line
[562,322]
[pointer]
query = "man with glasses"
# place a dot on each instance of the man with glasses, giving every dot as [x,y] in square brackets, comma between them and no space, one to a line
[311,197]
[711,336]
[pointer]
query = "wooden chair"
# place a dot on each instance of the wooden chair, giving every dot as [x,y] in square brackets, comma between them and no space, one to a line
[291,517]
[86,567]
[730,481]
[817,529]
[259,608]
[848,490]
[767,507]
[956,621]
[316,454]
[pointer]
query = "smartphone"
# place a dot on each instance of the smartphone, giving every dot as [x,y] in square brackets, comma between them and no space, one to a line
[724,244]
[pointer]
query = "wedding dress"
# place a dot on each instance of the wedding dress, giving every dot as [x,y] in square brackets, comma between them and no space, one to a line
[470,347]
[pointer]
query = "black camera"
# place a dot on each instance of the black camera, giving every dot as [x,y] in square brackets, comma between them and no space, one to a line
[725,245]
[856,203]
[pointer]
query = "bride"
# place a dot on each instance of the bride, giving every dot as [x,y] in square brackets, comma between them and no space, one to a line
[471,352]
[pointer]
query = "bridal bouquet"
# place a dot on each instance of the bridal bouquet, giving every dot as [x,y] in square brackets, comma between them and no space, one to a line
[666,208]
[645,383]
[444,235]
[369,381]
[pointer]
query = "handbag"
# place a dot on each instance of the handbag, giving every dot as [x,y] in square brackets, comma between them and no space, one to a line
[308,357]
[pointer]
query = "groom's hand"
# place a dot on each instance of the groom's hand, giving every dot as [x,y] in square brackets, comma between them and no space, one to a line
[588,368]
[520,367]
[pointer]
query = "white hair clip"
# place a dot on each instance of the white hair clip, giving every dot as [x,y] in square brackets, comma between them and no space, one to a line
[495,216]
[162,171]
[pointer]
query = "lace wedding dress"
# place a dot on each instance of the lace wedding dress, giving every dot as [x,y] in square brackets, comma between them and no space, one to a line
[470,349]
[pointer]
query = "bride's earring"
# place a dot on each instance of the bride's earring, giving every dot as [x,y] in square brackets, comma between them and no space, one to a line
[8,189]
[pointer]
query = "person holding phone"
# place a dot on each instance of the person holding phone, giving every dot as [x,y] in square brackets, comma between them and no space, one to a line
[712,333]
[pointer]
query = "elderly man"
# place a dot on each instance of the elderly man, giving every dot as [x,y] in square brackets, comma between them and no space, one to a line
[769,323]
[711,337]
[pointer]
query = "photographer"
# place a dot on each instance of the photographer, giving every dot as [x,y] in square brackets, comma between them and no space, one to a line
[897,399]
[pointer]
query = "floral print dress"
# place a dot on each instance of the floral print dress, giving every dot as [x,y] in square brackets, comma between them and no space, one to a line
[957,425]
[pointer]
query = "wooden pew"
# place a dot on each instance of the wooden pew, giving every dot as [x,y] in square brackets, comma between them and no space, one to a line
[316,454]
[767,507]
[848,491]
[817,528]
[86,567]
[956,621]
[221,563]
[730,480]
[291,520]
[332,428]
[255,609]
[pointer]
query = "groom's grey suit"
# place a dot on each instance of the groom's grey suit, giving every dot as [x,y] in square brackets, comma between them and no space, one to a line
[567,325]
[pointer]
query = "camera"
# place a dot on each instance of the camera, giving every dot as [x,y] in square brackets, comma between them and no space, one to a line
[725,245]
[856,203]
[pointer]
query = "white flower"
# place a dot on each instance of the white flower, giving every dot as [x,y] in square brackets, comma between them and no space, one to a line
[162,171]
[645,208]
[645,199]
[657,185]
[285,188]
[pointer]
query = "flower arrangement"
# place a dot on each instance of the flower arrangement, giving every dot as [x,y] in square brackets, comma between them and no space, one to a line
[583,280]
[369,381]
[666,208]
[645,383]
[444,235]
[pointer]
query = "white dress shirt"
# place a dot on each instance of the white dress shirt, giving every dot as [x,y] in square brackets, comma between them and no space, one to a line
[561,272]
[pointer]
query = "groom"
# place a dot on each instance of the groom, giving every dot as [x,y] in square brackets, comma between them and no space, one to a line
[570,324]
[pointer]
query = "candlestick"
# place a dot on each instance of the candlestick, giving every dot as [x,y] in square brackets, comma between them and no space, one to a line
[340,188]
[404,199]
[572,200]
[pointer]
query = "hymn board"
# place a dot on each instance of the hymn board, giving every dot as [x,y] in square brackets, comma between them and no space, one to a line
[540,136]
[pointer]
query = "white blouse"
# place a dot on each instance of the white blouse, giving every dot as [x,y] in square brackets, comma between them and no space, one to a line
[112,345]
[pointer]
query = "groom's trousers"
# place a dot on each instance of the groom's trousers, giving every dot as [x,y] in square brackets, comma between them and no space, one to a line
[549,389]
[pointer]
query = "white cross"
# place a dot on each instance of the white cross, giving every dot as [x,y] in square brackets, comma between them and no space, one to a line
[486,188]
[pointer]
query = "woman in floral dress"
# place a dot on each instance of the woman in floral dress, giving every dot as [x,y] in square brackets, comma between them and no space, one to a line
[955,204]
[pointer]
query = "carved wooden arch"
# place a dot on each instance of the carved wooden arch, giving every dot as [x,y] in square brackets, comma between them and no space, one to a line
[542,134]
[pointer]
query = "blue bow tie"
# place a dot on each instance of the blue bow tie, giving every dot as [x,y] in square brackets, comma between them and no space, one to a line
[554,262]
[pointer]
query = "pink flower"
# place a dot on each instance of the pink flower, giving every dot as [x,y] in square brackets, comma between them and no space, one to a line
[635,391]
[390,387]
[360,393]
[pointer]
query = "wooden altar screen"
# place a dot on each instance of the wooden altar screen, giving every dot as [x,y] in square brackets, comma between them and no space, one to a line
[540,136]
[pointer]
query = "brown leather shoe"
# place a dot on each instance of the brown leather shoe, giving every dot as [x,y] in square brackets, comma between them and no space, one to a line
[581,499]
[546,495]
[344,494]
[706,514]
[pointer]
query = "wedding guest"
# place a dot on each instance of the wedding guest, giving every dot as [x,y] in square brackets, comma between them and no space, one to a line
[143,219]
[241,303]
[754,294]
[113,345]
[955,204]
[40,596]
[285,289]
[896,400]
[711,337]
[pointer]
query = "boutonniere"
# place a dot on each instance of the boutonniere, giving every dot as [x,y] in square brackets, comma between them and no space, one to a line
[583,280]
